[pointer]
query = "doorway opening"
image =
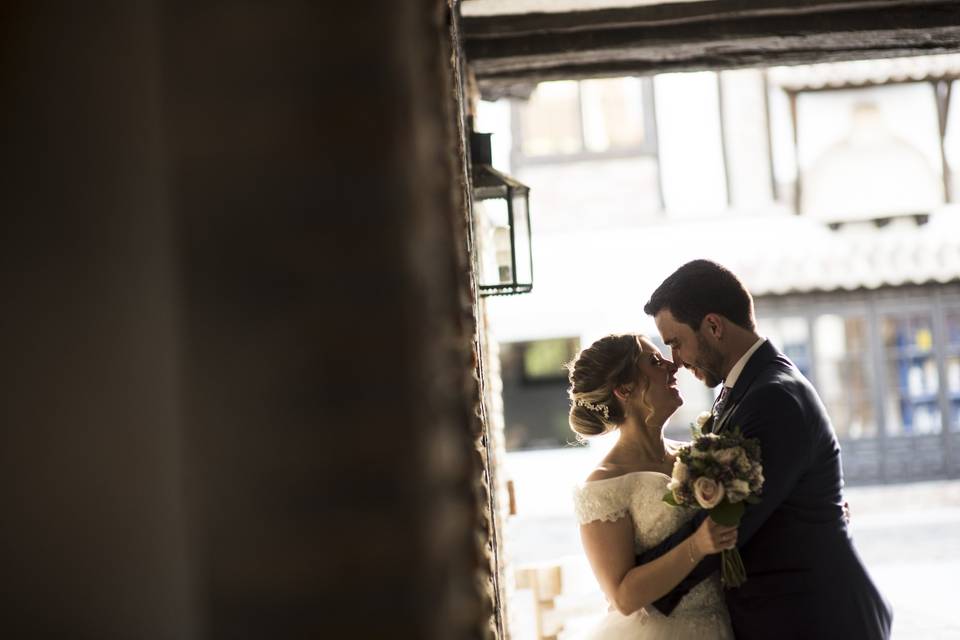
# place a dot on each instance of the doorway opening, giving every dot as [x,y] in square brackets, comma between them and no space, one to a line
[825,178]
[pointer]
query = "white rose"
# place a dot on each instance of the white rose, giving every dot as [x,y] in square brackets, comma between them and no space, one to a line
[727,456]
[703,418]
[681,473]
[737,490]
[708,492]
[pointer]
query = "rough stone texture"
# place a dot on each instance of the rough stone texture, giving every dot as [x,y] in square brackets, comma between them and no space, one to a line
[482,384]
[331,322]
[241,396]
[495,444]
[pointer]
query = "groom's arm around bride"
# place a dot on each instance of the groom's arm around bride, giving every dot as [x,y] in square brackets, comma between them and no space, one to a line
[785,451]
[804,578]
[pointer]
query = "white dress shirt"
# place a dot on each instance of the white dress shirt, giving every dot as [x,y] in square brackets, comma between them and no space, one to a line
[737,369]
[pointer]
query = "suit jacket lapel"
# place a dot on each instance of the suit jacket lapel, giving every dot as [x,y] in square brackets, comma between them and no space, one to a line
[763,356]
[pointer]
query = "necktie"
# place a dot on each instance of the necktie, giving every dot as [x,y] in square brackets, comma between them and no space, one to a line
[721,401]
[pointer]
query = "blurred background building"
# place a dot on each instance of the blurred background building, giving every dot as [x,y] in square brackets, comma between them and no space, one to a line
[830,188]
[827,188]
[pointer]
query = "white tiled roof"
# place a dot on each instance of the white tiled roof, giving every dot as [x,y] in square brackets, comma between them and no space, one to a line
[589,282]
[865,72]
[810,257]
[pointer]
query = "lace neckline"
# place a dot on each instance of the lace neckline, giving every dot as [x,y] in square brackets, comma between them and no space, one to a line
[629,473]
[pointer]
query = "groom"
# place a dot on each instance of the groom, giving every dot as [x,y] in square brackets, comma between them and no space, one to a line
[804,577]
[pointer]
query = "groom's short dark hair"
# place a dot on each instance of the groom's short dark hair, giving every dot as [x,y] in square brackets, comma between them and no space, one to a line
[701,287]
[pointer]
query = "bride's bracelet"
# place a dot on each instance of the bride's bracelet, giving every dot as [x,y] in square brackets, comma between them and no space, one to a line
[693,560]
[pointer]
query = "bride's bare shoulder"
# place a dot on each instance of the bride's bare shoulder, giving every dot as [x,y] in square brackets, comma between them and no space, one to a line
[606,471]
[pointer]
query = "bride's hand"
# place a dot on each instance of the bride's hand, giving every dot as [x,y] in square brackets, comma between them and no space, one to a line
[711,537]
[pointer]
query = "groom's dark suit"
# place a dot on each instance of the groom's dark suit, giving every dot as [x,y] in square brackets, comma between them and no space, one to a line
[804,578]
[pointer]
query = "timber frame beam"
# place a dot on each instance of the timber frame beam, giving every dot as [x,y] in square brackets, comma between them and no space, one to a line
[511,53]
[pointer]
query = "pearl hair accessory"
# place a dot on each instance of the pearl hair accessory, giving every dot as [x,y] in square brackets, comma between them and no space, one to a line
[599,408]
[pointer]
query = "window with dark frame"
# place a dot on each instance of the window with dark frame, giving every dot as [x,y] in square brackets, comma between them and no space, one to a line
[544,361]
[572,121]
[867,96]
[912,378]
[952,368]
[887,367]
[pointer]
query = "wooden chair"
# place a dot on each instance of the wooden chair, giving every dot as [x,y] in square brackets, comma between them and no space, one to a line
[546,581]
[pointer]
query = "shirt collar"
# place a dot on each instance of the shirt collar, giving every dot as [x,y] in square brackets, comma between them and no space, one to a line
[737,369]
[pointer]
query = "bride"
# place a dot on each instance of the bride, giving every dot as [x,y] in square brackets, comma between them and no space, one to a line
[623,382]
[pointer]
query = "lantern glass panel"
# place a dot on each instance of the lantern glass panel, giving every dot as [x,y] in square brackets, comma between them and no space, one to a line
[495,255]
[521,239]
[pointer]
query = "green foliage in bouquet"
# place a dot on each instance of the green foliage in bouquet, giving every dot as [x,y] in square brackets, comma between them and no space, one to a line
[720,473]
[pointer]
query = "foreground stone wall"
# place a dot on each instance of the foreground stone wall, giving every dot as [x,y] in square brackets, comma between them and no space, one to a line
[242,396]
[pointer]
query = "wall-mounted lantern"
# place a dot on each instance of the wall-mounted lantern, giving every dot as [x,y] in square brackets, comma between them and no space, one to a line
[501,207]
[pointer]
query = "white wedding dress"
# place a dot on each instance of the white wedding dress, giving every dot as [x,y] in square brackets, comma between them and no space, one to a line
[702,614]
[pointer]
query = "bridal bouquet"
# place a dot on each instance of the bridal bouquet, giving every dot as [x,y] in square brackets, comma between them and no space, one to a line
[719,473]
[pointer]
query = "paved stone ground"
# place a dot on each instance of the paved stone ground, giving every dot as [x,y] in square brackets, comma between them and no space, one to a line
[908,536]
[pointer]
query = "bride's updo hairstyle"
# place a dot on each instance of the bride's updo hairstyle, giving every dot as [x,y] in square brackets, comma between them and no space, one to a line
[598,370]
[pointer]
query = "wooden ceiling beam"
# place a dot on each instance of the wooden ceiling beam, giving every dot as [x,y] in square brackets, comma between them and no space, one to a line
[814,31]
[667,13]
